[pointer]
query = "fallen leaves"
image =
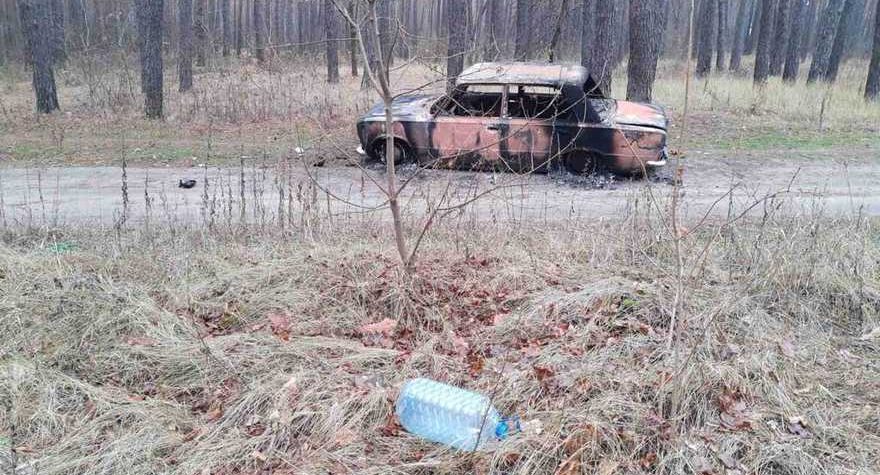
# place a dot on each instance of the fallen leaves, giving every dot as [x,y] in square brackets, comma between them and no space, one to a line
[796,426]
[378,333]
[734,412]
[279,322]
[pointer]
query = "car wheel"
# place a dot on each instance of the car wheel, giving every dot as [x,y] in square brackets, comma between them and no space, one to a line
[400,152]
[582,163]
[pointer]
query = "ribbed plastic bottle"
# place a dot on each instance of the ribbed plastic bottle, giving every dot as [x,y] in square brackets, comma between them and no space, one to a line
[449,415]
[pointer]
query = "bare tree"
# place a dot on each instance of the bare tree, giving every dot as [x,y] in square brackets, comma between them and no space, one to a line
[226,14]
[149,20]
[872,86]
[456,13]
[521,44]
[841,39]
[352,41]
[722,35]
[332,38]
[780,37]
[185,46]
[824,39]
[706,36]
[647,19]
[59,47]
[491,48]
[792,53]
[740,31]
[557,31]
[239,28]
[260,30]
[765,39]
[35,17]
[587,40]
[602,57]
[200,28]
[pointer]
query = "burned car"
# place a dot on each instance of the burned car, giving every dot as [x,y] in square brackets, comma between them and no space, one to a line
[520,117]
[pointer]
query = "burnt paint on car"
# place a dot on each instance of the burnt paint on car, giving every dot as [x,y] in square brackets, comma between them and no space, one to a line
[626,136]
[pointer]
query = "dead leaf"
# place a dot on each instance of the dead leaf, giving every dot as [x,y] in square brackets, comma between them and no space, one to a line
[214,413]
[787,347]
[460,345]
[607,467]
[256,454]
[475,364]
[572,466]
[280,324]
[392,426]
[383,327]
[648,460]
[797,427]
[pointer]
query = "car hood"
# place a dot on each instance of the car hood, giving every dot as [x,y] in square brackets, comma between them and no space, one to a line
[636,113]
[403,107]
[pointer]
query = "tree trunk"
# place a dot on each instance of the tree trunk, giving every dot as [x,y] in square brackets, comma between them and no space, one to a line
[59,50]
[352,42]
[260,30]
[36,19]
[557,31]
[722,35]
[872,86]
[201,31]
[792,53]
[239,28]
[841,39]
[780,37]
[646,21]
[739,34]
[456,13]
[754,28]
[149,19]
[185,53]
[330,22]
[521,44]
[387,32]
[765,40]
[226,14]
[824,38]
[602,57]
[809,35]
[588,42]
[491,50]
[78,24]
[706,39]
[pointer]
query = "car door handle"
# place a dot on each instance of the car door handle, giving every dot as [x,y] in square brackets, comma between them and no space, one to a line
[493,127]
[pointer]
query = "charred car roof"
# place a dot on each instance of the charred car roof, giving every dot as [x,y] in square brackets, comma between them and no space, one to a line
[544,74]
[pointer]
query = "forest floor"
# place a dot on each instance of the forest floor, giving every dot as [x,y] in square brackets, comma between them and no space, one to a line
[731,328]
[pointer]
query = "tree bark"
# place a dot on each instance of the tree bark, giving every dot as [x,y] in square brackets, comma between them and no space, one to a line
[36,20]
[824,38]
[722,35]
[59,49]
[387,34]
[149,19]
[239,28]
[708,21]
[841,40]
[557,31]
[872,86]
[754,28]
[792,53]
[780,37]
[226,14]
[521,43]
[352,42]
[456,13]
[743,15]
[588,42]
[765,39]
[808,42]
[646,21]
[200,29]
[330,24]
[260,30]
[602,61]
[185,53]
[491,50]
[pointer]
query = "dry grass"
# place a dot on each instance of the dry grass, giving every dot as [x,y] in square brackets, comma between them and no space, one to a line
[240,109]
[242,351]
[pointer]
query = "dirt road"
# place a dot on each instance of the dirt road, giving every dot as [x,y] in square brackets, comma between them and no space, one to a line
[93,195]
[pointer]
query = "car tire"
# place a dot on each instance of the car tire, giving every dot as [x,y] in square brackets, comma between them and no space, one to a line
[582,162]
[401,153]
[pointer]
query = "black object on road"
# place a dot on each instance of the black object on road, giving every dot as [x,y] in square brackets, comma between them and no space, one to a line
[186,184]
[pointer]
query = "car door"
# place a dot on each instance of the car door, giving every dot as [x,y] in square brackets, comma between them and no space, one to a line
[532,127]
[464,136]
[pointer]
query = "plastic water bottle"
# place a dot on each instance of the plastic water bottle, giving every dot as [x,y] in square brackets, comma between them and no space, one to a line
[449,415]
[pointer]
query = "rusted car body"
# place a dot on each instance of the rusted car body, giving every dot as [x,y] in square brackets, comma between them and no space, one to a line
[521,117]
